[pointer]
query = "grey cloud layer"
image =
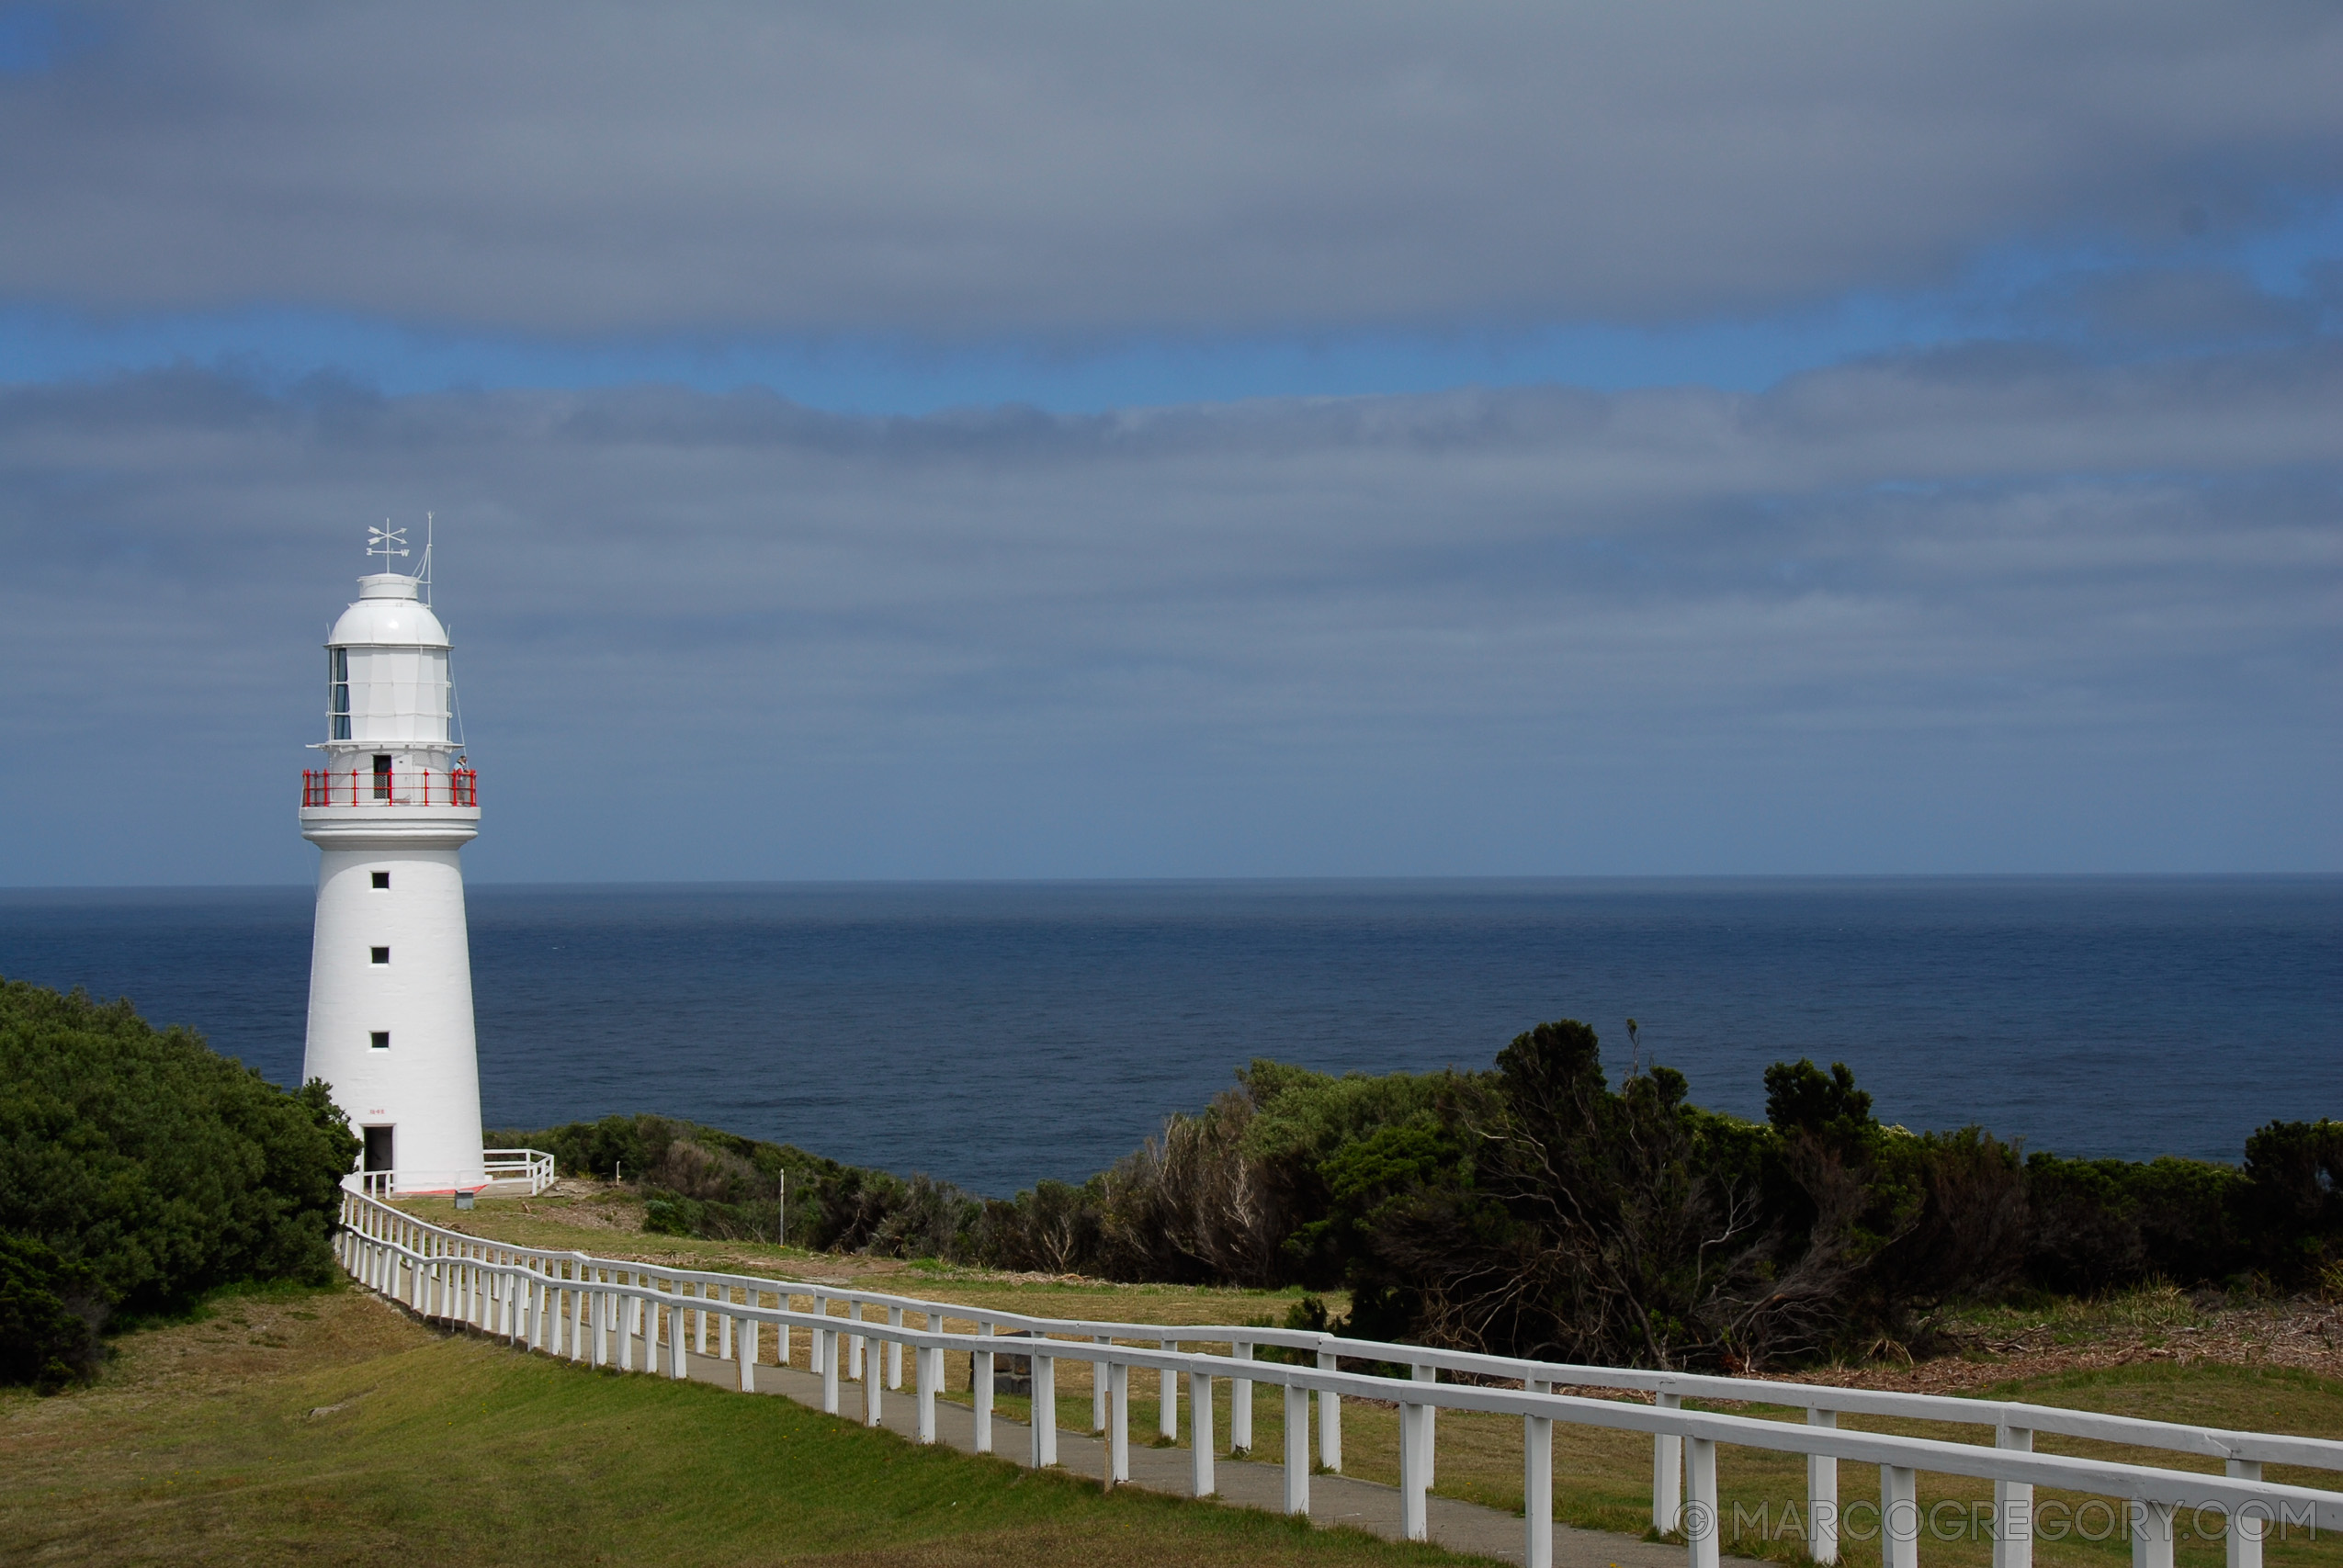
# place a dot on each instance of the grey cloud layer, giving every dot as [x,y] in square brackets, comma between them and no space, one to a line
[1985,609]
[1074,169]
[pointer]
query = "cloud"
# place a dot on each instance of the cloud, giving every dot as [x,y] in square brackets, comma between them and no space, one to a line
[2172,309]
[1993,608]
[1074,172]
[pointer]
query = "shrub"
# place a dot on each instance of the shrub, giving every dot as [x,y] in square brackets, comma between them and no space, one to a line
[2293,1198]
[50,1313]
[1537,1210]
[704,1181]
[674,1216]
[139,1168]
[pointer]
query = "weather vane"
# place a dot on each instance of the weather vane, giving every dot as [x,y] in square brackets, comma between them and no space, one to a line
[380,540]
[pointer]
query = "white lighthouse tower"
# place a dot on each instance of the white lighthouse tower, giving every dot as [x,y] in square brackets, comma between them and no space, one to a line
[390,978]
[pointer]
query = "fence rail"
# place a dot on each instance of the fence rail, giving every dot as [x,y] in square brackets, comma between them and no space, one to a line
[396,786]
[529,1166]
[595,1309]
[532,1165]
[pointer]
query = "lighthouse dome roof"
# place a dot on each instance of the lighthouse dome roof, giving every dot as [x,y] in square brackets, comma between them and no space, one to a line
[390,612]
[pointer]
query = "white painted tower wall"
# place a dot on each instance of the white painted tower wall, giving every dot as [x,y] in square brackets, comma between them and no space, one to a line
[391,1031]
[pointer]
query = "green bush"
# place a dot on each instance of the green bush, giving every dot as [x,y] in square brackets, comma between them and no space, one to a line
[2100,1225]
[50,1313]
[2294,1199]
[704,1181]
[139,1169]
[1542,1209]
[674,1216]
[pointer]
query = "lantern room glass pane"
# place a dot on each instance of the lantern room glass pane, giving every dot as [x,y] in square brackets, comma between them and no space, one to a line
[338,680]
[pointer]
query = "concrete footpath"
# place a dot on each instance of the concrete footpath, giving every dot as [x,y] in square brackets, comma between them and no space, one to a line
[1246,1483]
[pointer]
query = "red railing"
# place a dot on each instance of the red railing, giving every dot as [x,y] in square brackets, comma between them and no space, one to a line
[404,787]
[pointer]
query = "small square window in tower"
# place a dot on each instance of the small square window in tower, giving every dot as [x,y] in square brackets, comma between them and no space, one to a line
[382,879]
[381,954]
[382,1038]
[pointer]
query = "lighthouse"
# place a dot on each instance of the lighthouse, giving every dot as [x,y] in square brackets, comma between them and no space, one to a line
[390,977]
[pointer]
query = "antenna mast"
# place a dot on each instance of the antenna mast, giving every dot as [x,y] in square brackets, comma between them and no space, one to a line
[425,577]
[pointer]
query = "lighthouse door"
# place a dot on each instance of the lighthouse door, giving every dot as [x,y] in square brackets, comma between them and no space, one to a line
[377,1158]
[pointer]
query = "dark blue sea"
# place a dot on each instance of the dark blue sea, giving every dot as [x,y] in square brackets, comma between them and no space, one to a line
[997,1033]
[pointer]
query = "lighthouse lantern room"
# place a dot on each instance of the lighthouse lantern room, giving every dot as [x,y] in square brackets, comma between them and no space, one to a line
[390,986]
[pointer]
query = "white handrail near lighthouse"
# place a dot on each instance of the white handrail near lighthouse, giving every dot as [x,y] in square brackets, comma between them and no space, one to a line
[599,1310]
[526,1169]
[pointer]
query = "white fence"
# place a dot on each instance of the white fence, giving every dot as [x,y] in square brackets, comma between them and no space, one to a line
[529,1167]
[596,1309]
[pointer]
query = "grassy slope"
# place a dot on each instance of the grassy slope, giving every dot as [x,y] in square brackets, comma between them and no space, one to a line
[1602,1480]
[328,1429]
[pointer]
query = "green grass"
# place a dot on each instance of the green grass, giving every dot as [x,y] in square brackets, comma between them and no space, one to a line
[328,1429]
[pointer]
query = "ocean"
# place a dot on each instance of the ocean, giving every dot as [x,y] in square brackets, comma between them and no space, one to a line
[993,1034]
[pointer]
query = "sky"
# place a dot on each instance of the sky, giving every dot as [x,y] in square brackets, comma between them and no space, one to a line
[1079,441]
